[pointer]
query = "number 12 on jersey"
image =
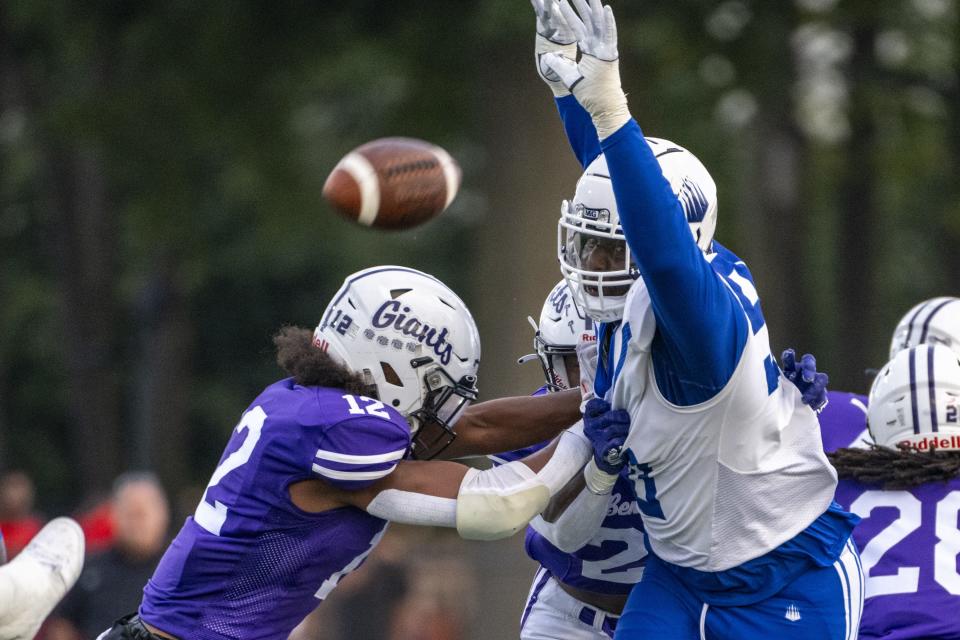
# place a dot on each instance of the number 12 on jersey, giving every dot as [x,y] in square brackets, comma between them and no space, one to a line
[212,516]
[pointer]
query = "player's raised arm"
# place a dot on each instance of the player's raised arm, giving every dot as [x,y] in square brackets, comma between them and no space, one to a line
[554,36]
[695,311]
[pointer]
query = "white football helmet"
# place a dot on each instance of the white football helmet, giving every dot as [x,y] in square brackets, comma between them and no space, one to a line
[592,220]
[413,340]
[915,399]
[563,324]
[934,321]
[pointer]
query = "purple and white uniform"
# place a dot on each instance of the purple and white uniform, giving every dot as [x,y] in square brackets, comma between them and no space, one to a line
[612,562]
[249,563]
[909,541]
[910,548]
[843,422]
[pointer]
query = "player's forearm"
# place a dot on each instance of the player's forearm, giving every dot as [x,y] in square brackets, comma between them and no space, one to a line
[481,505]
[653,220]
[573,516]
[579,128]
[695,312]
[507,424]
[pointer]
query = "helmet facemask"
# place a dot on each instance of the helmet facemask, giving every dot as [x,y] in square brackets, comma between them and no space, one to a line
[444,400]
[595,260]
[563,325]
[553,361]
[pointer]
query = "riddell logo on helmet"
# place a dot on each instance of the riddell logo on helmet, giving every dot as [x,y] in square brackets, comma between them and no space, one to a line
[390,314]
[930,443]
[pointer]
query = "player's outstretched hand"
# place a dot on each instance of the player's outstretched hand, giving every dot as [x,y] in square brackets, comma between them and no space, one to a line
[553,36]
[595,80]
[607,430]
[804,374]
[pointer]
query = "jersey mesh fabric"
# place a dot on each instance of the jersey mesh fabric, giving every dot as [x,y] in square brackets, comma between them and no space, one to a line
[250,564]
[909,542]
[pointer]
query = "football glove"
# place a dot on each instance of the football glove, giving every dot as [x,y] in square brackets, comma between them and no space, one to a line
[812,384]
[553,36]
[607,430]
[587,358]
[595,80]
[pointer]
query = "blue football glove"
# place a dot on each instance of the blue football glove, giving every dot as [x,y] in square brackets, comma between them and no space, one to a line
[607,430]
[812,384]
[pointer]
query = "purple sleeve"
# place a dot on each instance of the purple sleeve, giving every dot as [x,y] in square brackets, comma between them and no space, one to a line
[355,453]
[843,422]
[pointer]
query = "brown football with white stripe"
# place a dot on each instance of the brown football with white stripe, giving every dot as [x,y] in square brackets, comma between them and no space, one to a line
[393,183]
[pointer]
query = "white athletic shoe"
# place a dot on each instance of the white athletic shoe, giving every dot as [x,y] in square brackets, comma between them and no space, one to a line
[33,583]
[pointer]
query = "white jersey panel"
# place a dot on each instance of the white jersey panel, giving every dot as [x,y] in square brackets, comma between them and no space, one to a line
[727,480]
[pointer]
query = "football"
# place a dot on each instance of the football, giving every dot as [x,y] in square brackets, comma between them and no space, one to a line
[393,183]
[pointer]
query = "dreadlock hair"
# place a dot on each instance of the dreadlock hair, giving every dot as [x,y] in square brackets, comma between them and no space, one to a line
[310,366]
[899,468]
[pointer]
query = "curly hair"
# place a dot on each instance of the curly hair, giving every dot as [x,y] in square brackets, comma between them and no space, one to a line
[899,468]
[312,367]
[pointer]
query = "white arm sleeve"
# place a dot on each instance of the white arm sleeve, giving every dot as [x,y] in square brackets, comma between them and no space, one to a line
[408,507]
[577,524]
[493,503]
[498,502]
[572,452]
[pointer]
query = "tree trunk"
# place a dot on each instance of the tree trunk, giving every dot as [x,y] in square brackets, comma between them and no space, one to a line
[856,287]
[85,235]
[774,227]
[163,384]
[530,170]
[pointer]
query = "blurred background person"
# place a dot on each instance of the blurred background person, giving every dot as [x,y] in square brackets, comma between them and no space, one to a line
[18,522]
[112,582]
[441,599]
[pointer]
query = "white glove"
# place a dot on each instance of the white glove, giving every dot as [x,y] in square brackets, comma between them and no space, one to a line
[595,80]
[553,36]
[587,357]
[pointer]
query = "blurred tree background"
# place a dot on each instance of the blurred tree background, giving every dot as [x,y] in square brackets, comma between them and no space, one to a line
[161,166]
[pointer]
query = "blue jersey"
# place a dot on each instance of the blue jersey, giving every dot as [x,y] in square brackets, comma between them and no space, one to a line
[843,422]
[613,560]
[251,564]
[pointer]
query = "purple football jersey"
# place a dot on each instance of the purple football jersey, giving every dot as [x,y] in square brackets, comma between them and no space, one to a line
[909,543]
[843,422]
[613,560]
[249,563]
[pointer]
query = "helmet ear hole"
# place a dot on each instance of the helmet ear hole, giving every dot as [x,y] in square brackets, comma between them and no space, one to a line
[390,374]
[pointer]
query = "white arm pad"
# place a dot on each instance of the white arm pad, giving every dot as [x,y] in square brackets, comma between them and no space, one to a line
[572,452]
[494,503]
[577,524]
[408,507]
[498,502]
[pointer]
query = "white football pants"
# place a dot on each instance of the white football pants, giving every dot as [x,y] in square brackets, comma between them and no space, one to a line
[553,614]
